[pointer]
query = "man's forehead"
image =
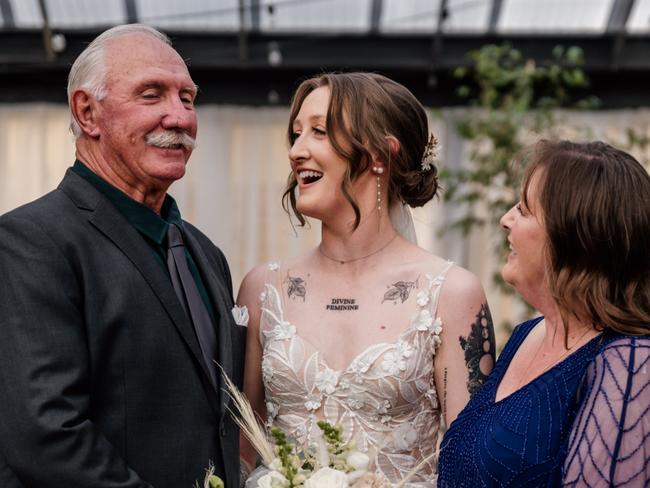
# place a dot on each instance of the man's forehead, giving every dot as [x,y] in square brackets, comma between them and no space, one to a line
[141,48]
[135,55]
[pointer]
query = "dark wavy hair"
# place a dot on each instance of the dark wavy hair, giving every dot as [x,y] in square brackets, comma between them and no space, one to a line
[364,109]
[595,201]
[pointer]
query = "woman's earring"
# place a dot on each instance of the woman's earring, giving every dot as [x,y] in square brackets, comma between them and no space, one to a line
[378,170]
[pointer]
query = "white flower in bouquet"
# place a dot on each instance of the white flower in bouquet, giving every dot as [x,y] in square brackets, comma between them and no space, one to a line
[276,465]
[327,478]
[321,452]
[358,460]
[273,479]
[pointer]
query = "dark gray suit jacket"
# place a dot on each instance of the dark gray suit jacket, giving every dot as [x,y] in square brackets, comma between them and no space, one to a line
[101,378]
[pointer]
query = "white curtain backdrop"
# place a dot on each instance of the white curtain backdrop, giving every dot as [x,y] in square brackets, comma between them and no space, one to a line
[236,176]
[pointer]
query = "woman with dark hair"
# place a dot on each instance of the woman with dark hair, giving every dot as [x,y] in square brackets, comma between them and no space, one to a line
[367,331]
[568,401]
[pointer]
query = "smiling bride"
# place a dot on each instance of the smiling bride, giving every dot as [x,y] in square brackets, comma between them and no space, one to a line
[367,331]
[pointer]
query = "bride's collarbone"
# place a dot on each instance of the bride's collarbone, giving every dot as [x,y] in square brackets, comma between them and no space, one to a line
[384,310]
[394,285]
[390,295]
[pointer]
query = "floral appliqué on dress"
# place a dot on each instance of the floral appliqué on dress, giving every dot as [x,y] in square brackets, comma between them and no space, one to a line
[385,400]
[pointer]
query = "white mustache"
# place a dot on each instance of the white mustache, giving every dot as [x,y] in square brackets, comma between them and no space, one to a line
[170,138]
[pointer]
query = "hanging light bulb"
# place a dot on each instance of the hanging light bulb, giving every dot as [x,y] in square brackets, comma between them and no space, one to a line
[274,54]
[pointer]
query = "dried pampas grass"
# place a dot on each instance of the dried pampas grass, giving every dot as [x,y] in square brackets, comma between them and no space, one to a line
[249,423]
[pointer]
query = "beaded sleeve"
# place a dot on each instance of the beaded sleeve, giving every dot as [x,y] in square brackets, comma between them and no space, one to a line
[610,439]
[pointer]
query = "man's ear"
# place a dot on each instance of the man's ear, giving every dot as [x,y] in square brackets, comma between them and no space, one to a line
[84,108]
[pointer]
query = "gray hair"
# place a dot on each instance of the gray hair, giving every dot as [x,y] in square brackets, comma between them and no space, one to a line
[89,69]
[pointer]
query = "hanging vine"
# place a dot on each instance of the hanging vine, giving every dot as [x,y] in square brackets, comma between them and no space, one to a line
[514,102]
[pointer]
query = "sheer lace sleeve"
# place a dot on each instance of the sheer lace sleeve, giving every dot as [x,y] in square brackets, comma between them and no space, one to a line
[610,439]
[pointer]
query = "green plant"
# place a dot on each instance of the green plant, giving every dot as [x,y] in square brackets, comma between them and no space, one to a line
[516,100]
[513,102]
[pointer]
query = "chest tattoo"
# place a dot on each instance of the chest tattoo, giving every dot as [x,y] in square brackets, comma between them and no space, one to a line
[296,287]
[342,304]
[399,291]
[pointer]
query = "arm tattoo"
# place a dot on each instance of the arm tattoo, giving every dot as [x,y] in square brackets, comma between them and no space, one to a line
[400,290]
[444,393]
[480,349]
[296,287]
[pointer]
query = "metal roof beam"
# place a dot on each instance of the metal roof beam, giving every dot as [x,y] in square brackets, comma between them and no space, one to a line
[255,15]
[220,51]
[619,14]
[131,11]
[616,25]
[376,8]
[7,13]
[495,14]
[224,77]
[242,36]
[46,32]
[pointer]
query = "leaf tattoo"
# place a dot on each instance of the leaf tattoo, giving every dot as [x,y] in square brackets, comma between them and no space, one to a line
[480,349]
[296,287]
[400,290]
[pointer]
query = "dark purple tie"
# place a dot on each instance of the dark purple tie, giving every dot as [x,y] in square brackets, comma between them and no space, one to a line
[190,298]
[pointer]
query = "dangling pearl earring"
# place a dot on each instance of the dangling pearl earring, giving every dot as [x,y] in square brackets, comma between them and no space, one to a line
[378,170]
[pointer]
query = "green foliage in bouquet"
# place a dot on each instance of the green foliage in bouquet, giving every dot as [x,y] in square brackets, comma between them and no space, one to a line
[211,480]
[333,436]
[329,463]
[297,465]
[286,453]
[215,482]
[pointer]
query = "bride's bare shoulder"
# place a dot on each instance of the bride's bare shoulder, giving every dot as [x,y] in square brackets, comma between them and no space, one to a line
[462,282]
[254,281]
[459,282]
[252,285]
[421,259]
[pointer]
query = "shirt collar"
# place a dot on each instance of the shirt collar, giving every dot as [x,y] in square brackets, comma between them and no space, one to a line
[141,217]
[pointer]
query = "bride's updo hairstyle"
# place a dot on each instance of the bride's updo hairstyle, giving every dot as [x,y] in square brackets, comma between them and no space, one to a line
[364,109]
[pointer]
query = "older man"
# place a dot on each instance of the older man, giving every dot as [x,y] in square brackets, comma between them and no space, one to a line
[114,312]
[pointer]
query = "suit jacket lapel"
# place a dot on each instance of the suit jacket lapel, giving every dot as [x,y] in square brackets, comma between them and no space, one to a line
[110,222]
[224,321]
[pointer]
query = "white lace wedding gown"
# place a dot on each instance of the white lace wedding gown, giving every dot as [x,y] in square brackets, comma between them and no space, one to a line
[385,399]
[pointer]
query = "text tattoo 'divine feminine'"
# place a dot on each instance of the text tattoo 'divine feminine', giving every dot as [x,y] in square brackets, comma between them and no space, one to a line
[297,288]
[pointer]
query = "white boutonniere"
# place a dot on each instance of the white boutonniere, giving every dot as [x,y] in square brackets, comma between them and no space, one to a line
[240,314]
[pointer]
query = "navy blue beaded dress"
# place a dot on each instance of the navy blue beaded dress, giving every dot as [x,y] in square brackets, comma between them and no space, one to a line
[584,422]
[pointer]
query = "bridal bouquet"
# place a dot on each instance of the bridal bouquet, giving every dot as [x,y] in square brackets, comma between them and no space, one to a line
[329,463]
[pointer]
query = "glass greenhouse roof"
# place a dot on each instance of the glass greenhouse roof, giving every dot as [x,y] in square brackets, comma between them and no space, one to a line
[354,16]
